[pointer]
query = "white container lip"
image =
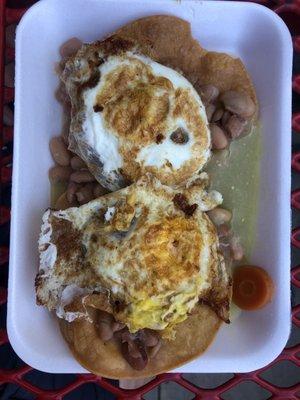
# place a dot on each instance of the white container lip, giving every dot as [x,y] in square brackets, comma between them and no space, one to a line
[252,32]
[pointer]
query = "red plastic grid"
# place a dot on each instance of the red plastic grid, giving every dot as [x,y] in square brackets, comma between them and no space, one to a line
[291,15]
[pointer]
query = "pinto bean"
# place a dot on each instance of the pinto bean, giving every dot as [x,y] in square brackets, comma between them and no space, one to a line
[208,93]
[62,202]
[238,103]
[59,174]
[117,326]
[210,109]
[85,194]
[82,176]
[218,114]
[149,337]
[235,126]
[219,215]
[237,251]
[59,151]
[77,163]
[225,117]
[70,47]
[218,137]
[71,191]
[223,230]
[99,190]
[135,354]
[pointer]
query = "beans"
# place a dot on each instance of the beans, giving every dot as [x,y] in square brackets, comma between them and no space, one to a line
[218,114]
[218,137]
[8,116]
[70,47]
[85,194]
[9,75]
[223,230]
[235,126]
[219,215]
[135,354]
[61,95]
[238,103]
[82,176]
[59,151]
[60,174]
[99,190]
[117,326]
[225,118]
[62,202]
[149,337]
[77,163]
[210,109]
[208,93]
[71,191]
[236,248]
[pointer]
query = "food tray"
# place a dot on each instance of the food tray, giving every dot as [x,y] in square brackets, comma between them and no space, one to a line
[20,375]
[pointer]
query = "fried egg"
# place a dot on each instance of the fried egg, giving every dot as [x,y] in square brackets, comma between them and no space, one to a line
[152,249]
[132,115]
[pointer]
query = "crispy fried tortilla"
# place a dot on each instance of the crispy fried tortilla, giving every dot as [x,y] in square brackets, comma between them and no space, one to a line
[168,40]
[193,336]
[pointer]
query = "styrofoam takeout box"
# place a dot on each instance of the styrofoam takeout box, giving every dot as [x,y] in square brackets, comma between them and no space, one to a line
[252,32]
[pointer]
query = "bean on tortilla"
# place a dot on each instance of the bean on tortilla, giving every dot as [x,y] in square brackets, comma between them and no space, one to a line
[149,337]
[238,103]
[210,109]
[218,114]
[135,354]
[235,126]
[225,117]
[218,137]
[208,93]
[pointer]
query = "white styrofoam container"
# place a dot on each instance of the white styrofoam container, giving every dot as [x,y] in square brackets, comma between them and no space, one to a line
[252,32]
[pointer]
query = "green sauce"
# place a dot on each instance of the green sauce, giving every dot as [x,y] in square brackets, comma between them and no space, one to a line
[235,174]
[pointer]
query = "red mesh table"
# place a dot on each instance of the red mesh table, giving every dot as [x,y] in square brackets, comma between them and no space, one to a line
[20,381]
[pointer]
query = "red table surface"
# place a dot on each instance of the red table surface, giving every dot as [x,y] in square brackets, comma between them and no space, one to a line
[11,12]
